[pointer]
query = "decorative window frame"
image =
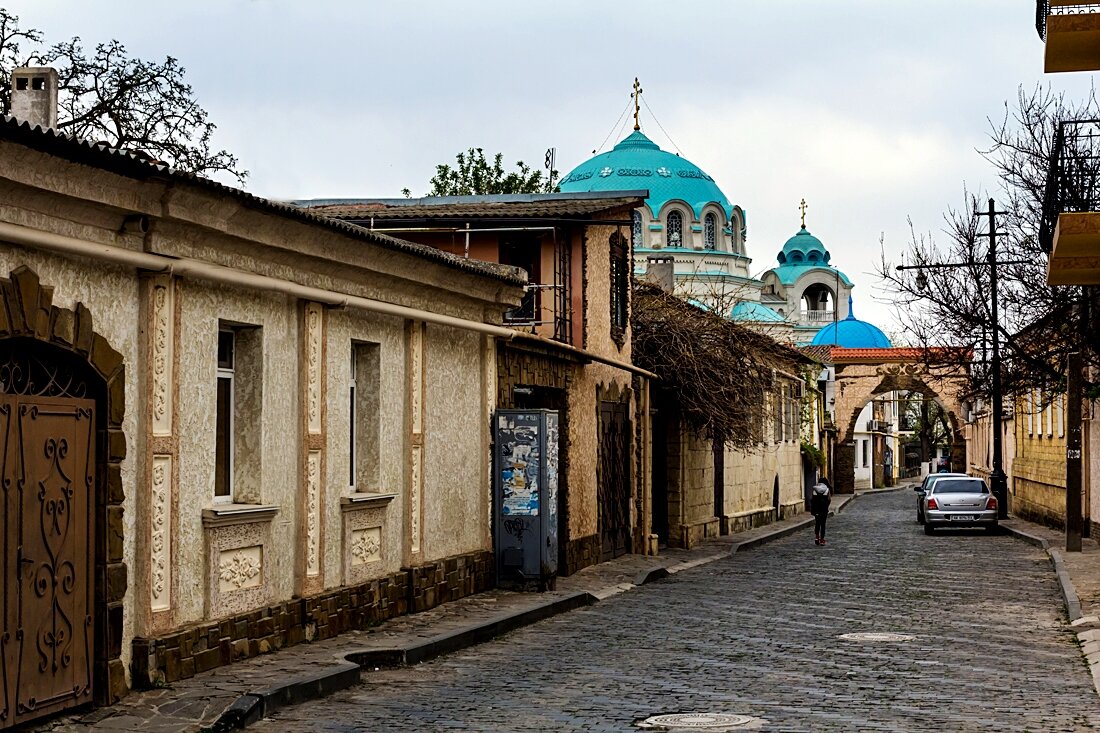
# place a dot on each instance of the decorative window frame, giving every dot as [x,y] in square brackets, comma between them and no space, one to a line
[620,270]
[677,231]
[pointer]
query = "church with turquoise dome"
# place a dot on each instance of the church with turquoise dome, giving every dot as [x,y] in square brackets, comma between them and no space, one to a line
[687,218]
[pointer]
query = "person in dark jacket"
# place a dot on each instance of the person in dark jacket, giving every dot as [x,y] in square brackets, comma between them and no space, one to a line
[819,507]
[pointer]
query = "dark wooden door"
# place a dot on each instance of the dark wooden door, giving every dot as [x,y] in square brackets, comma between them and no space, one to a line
[48,470]
[614,480]
[719,448]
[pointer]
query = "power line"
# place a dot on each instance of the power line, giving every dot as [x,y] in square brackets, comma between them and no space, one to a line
[681,152]
[614,127]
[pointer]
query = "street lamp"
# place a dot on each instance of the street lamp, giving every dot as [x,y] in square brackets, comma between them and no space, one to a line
[997,478]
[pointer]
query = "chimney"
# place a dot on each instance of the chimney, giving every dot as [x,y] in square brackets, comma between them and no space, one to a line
[34,96]
[659,271]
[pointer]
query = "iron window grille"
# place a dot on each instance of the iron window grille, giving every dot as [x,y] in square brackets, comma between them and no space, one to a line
[675,227]
[710,231]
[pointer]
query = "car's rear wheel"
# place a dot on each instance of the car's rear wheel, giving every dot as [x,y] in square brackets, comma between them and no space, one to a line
[992,528]
[928,529]
[920,518]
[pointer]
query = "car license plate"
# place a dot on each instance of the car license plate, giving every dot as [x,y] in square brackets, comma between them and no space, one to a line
[962,517]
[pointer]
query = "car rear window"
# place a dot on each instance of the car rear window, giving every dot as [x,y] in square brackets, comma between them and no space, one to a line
[960,486]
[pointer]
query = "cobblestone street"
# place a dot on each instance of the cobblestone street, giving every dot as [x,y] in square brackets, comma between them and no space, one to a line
[757,634]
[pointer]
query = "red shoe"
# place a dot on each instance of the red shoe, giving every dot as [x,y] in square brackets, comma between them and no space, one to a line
[823,540]
[817,540]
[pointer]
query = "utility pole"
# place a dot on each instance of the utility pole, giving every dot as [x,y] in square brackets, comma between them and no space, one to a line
[1073,452]
[998,479]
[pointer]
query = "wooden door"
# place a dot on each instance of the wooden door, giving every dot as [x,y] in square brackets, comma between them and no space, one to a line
[614,480]
[48,470]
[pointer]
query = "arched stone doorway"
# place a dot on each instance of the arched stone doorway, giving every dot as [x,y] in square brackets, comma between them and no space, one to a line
[861,374]
[62,392]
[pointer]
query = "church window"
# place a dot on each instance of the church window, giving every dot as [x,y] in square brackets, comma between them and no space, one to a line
[710,231]
[363,396]
[620,286]
[675,229]
[636,228]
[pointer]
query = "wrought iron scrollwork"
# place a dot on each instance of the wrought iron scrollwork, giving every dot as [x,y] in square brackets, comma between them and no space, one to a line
[24,373]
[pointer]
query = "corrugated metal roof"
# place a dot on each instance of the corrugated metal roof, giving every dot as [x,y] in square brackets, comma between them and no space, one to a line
[133,165]
[505,206]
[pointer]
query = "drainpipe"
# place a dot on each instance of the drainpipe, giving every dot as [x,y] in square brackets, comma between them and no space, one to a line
[187,267]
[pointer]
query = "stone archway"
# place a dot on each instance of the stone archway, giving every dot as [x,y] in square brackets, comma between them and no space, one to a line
[53,341]
[863,373]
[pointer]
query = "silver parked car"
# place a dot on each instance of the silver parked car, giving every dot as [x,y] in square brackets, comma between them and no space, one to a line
[923,488]
[957,501]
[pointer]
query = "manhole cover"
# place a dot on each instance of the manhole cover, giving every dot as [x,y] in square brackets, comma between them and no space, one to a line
[697,721]
[876,636]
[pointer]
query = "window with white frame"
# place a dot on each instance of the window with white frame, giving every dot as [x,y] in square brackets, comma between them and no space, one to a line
[636,228]
[1061,417]
[710,231]
[364,393]
[1048,413]
[238,433]
[223,423]
[1029,411]
[674,229]
[866,460]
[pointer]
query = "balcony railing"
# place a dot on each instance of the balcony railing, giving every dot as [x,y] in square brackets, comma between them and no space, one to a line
[1044,8]
[1073,181]
[815,317]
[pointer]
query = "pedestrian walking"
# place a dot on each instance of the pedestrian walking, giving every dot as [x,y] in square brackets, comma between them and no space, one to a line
[819,507]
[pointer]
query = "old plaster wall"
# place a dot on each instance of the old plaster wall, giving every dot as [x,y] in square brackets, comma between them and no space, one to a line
[455,501]
[111,295]
[346,328]
[272,320]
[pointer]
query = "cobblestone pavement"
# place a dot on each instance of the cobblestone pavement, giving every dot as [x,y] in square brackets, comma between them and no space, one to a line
[756,634]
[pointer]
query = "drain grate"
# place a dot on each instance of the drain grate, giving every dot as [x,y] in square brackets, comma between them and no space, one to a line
[876,636]
[714,722]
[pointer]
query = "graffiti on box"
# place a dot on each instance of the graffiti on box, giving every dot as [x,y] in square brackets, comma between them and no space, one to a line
[519,449]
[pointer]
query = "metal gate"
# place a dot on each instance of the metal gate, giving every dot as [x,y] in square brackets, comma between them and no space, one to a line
[614,480]
[47,475]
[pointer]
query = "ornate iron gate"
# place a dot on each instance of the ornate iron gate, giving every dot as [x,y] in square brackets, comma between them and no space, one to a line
[614,480]
[47,475]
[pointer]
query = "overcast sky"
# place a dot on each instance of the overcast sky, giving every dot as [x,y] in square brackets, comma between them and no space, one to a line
[870,109]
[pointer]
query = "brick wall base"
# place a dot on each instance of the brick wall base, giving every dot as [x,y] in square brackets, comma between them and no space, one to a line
[204,646]
[580,553]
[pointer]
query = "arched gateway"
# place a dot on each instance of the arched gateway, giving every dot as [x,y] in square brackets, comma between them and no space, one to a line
[861,374]
[61,443]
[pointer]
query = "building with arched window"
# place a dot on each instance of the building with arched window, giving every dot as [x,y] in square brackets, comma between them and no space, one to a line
[688,218]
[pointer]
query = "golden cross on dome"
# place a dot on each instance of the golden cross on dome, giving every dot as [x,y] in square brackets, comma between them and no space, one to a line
[636,95]
[803,206]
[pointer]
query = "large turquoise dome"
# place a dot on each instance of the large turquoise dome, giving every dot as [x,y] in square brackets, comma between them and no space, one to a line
[852,333]
[637,162]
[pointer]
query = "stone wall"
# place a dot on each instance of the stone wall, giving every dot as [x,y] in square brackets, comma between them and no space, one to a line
[202,647]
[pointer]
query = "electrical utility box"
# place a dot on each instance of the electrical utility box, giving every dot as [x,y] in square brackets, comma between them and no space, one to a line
[525,497]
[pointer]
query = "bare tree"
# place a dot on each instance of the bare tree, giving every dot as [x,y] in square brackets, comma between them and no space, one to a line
[1038,324]
[106,95]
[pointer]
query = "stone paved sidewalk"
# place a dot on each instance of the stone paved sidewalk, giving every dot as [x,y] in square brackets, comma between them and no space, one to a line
[196,704]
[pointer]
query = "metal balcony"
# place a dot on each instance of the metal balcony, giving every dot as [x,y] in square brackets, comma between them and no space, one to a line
[1071,30]
[1070,228]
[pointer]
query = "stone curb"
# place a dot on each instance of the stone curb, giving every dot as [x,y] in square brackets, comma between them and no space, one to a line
[259,704]
[1089,639]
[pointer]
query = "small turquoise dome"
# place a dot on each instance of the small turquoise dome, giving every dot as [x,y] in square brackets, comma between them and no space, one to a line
[852,333]
[748,310]
[801,253]
[637,162]
[804,249]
